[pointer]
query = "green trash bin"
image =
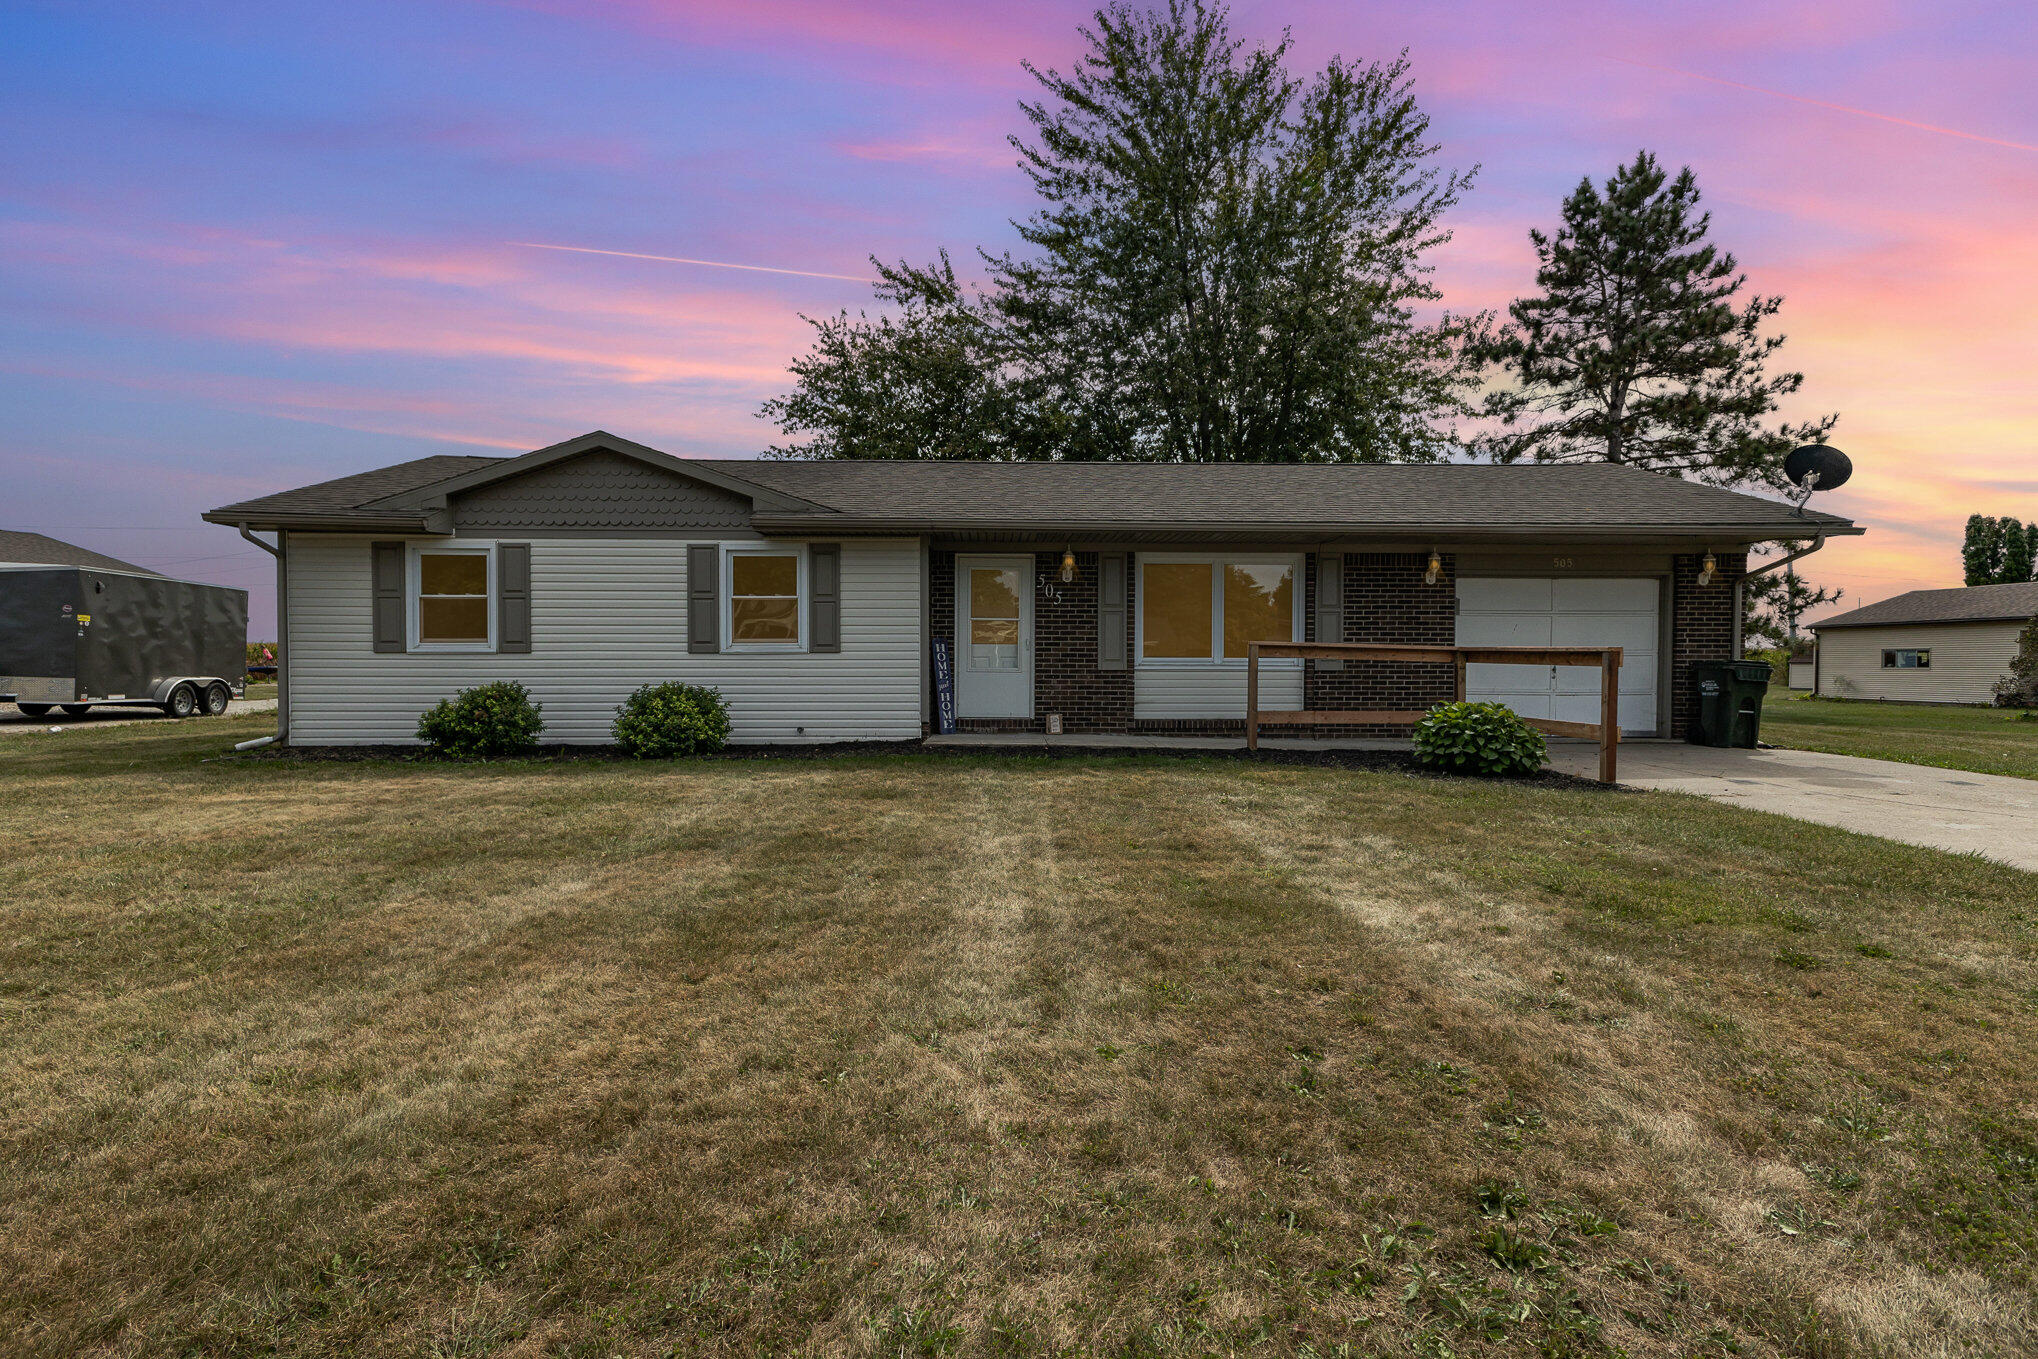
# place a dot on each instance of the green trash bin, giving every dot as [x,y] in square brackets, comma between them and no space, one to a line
[1729,702]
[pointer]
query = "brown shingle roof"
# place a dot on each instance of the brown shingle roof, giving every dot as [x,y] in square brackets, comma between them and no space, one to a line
[36,549]
[1372,495]
[914,496]
[1972,604]
[344,495]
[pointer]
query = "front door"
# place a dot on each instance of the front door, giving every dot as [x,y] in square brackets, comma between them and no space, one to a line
[994,636]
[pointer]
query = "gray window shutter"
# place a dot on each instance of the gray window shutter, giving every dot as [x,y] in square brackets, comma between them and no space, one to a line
[513,598]
[824,604]
[1330,603]
[386,571]
[703,598]
[1111,611]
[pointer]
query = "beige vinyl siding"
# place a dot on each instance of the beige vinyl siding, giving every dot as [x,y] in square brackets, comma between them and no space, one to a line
[607,614]
[1967,660]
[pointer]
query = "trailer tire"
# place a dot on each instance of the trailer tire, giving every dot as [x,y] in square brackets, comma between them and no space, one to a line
[34,709]
[215,699]
[76,709]
[182,702]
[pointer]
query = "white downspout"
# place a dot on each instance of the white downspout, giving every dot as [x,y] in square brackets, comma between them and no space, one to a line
[282,655]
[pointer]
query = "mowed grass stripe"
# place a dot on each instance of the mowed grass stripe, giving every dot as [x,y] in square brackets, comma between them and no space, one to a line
[990,1056]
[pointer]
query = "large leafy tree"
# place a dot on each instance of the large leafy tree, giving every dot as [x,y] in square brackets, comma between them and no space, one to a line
[1227,265]
[1639,347]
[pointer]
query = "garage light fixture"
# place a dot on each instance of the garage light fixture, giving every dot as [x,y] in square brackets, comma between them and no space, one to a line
[1435,570]
[1068,566]
[1707,569]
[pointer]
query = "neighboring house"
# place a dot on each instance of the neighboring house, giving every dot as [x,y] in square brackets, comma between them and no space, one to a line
[34,549]
[1117,596]
[1929,646]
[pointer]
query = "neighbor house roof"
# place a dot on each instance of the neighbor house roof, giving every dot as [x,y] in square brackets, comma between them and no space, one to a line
[35,549]
[1973,604]
[1058,497]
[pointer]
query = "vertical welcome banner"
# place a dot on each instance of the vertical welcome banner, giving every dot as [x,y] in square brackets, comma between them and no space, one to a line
[944,687]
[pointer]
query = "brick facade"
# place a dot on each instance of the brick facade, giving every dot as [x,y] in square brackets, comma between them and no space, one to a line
[1066,679]
[1702,627]
[1385,600]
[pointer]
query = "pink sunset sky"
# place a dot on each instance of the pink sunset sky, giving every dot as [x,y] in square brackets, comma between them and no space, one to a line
[248,247]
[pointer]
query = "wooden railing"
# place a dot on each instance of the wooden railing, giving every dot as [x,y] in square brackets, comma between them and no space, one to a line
[1607,660]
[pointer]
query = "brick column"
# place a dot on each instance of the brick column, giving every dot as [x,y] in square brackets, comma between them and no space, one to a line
[1701,626]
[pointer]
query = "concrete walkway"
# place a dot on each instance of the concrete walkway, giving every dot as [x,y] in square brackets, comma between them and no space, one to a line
[1985,814]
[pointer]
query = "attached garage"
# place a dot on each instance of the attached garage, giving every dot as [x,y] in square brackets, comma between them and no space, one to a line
[1626,612]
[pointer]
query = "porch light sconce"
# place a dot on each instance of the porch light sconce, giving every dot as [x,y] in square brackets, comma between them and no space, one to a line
[1434,572]
[1068,566]
[1707,569]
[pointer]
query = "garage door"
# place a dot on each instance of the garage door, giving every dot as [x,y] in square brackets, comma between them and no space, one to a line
[1537,611]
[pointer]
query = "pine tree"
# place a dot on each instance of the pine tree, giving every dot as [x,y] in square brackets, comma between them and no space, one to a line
[1225,266]
[1775,603]
[1637,349]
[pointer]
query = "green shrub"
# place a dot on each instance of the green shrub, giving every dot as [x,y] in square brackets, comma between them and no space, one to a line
[489,721]
[1779,664]
[2019,688]
[666,721]
[1478,738]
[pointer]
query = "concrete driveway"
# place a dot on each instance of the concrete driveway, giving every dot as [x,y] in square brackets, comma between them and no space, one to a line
[1985,814]
[13,722]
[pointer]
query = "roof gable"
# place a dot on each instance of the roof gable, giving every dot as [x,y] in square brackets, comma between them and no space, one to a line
[437,495]
[598,491]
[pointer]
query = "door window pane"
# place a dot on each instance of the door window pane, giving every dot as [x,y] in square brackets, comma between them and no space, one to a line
[1174,606]
[1259,604]
[993,618]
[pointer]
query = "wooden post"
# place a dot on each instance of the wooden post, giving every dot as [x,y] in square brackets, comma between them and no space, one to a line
[1609,713]
[1252,695]
[1459,657]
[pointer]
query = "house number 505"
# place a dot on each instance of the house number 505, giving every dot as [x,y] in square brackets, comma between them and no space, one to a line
[1562,563]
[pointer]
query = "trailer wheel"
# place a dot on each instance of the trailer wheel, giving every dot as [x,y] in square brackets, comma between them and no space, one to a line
[182,702]
[76,709]
[217,696]
[34,709]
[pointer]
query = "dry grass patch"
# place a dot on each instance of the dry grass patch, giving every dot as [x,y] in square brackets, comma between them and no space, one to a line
[932,1056]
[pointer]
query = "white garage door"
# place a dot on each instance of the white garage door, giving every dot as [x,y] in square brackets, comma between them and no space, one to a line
[1537,611]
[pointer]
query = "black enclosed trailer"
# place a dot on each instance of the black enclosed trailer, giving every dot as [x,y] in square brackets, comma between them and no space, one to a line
[78,636]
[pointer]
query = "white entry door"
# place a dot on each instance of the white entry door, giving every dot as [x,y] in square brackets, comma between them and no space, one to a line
[994,636]
[1541,611]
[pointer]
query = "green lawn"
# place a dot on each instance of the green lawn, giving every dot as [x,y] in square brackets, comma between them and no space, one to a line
[1984,740]
[918,1056]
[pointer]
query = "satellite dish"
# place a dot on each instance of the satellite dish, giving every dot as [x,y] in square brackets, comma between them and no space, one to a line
[1817,467]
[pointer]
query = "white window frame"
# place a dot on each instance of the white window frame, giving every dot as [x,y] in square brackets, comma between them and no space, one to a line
[798,552]
[1216,561]
[1890,656]
[413,587]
